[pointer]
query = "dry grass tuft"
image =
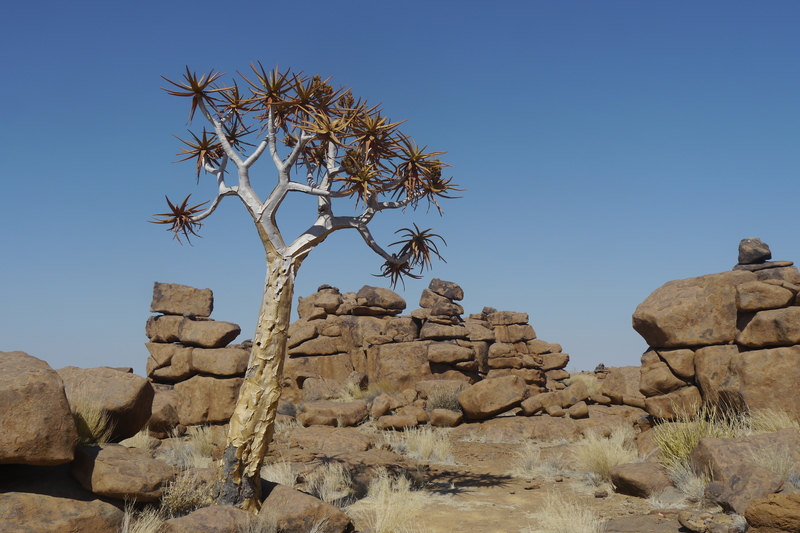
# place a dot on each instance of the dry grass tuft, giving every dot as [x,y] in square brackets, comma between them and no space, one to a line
[91,418]
[142,441]
[779,461]
[185,494]
[596,454]
[771,420]
[444,398]
[389,507]
[424,443]
[281,472]
[148,520]
[529,462]
[689,484]
[331,483]
[258,524]
[192,450]
[560,515]
[589,379]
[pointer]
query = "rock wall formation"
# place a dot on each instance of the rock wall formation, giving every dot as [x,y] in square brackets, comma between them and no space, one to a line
[730,339]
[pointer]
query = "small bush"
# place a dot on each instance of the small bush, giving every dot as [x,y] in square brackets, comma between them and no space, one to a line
[422,443]
[560,515]
[596,454]
[190,451]
[280,472]
[148,520]
[330,482]
[92,420]
[444,398]
[259,524]
[771,420]
[780,462]
[689,484]
[529,462]
[389,507]
[185,494]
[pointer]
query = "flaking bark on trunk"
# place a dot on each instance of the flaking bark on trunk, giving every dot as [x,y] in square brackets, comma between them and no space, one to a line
[253,422]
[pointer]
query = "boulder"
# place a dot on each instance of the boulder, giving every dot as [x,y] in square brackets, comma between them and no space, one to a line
[207,400]
[179,368]
[337,366]
[657,378]
[214,519]
[161,354]
[639,479]
[680,361]
[514,333]
[578,410]
[767,379]
[446,289]
[402,363]
[740,485]
[775,513]
[505,318]
[774,327]
[119,472]
[174,299]
[554,361]
[491,397]
[382,301]
[297,512]
[22,512]
[432,331]
[444,352]
[207,333]
[445,418]
[753,250]
[669,406]
[36,425]
[328,413]
[478,331]
[163,328]
[691,312]
[397,422]
[220,361]
[622,381]
[165,413]
[402,329]
[329,439]
[757,296]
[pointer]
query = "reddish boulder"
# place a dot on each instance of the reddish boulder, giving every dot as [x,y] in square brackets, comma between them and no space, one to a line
[207,400]
[297,512]
[492,396]
[22,512]
[174,299]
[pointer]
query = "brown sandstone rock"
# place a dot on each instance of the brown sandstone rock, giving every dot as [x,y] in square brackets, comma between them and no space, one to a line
[426,388]
[163,328]
[775,327]
[328,413]
[207,333]
[657,379]
[740,485]
[127,398]
[397,422]
[376,297]
[433,331]
[298,512]
[164,416]
[514,333]
[785,273]
[691,312]
[447,289]
[179,369]
[757,296]
[768,378]
[578,410]
[669,406]
[753,250]
[419,413]
[477,330]
[36,426]
[445,418]
[402,363]
[680,361]
[207,400]
[22,512]
[639,479]
[220,361]
[777,513]
[622,381]
[505,318]
[337,366]
[321,389]
[402,329]
[174,299]
[214,519]
[329,439]
[491,397]
[118,472]
[554,361]
[444,352]
[161,354]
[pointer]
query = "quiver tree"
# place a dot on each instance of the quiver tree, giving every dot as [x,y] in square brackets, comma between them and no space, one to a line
[325,144]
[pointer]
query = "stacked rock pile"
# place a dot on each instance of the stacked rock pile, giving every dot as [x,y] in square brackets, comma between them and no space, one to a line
[194,370]
[339,334]
[730,339]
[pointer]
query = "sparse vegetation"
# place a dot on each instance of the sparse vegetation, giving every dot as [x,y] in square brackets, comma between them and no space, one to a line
[258,524]
[142,440]
[780,462]
[587,378]
[147,520]
[596,454]
[185,494]
[389,507]
[331,483]
[192,450]
[530,463]
[691,485]
[423,443]
[771,420]
[561,515]
[280,472]
[444,398]
[352,392]
[92,420]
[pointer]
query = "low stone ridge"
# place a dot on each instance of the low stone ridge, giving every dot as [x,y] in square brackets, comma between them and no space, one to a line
[729,339]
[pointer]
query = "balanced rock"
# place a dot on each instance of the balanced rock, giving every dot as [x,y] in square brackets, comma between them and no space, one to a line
[752,251]
[174,299]
[36,425]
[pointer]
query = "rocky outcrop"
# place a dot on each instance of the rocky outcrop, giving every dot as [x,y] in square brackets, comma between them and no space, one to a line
[729,339]
[30,434]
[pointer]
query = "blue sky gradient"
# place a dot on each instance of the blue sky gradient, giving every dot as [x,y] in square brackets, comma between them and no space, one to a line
[606,148]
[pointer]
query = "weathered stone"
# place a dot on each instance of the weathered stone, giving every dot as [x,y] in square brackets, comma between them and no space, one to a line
[658,379]
[538,347]
[443,352]
[327,299]
[164,411]
[118,472]
[397,422]
[163,328]
[343,414]
[574,393]
[768,378]
[161,354]
[321,389]
[300,332]
[643,524]
[753,250]
[402,329]
[378,297]
[433,331]
[713,374]
[447,289]
[639,479]
[757,296]
[691,312]
[127,398]
[505,318]
[554,361]
[776,513]
[668,406]
[419,413]
[514,333]
[207,400]
[337,366]
[680,361]
[179,369]
[776,327]
[505,362]
[742,483]
[532,361]
[207,333]
[220,361]
[789,274]
[36,426]
[402,363]
[22,512]
[477,331]
[174,299]
[329,439]
[447,308]
[491,397]
[578,410]
[213,519]
[297,512]
[531,406]
[557,375]
[320,346]
[502,349]
[445,418]
[763,266]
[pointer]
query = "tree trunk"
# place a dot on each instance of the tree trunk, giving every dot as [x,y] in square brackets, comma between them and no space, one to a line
[253,422]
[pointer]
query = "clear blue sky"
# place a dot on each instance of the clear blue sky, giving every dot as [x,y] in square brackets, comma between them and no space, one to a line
[607,148]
